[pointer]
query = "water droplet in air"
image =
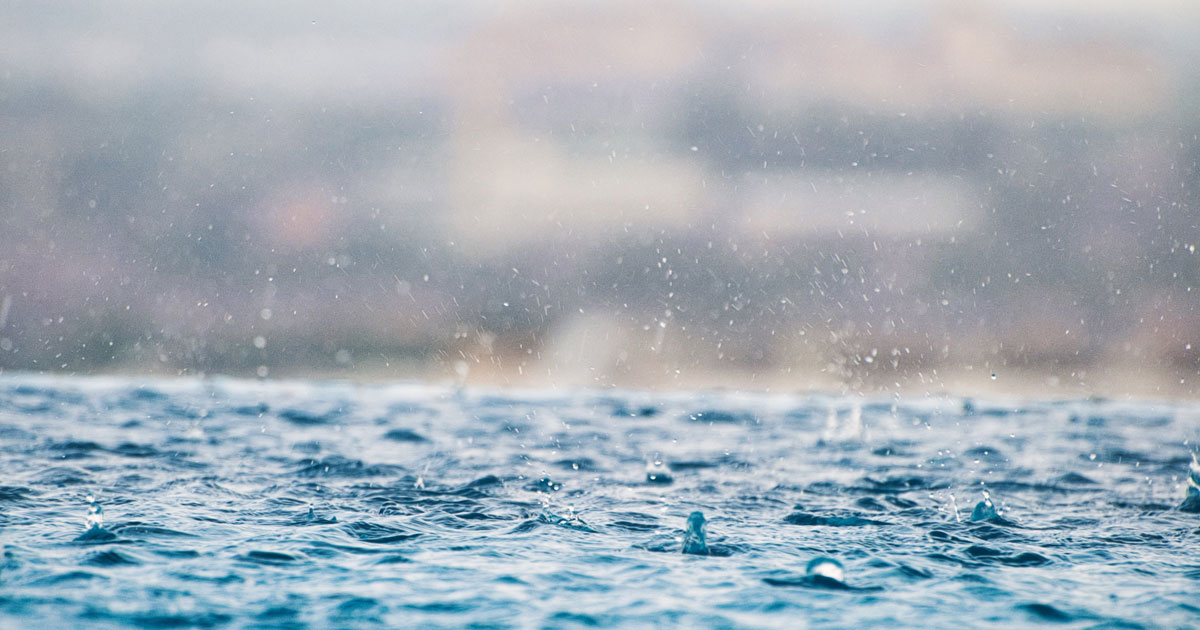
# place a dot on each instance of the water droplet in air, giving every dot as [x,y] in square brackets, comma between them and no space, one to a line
[658,472]
[95,513]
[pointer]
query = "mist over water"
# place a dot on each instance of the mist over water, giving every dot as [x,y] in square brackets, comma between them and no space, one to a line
[243,504]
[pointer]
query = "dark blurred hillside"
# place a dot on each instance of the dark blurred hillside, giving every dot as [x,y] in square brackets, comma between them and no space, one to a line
[912,197]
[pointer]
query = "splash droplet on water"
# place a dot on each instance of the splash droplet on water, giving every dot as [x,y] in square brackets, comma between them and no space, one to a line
[954,508]
[695,538]
[985,510]
[95,513]
[1191,497]
[826,567]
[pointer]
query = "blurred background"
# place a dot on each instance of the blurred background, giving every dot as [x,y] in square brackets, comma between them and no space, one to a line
[856,196]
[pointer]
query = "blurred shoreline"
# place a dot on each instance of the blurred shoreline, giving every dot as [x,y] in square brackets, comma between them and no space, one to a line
[1107,384]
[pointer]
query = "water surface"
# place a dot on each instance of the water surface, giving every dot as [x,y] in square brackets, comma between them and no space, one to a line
[243,504]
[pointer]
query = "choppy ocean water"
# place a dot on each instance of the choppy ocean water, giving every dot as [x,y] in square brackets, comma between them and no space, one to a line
[244,504]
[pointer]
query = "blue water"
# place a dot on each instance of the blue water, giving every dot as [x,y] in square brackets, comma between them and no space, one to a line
[243,504]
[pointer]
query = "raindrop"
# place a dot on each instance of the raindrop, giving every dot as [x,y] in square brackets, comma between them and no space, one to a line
[658,472]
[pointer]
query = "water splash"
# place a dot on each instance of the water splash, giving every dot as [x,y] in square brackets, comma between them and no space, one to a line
[95,532]
[695,538]
[850,429]
[570,521]
[95,513]
[825,567]
[985,510]
[419,484]
[854,424]
[823,573]
[954,508]
[831,425]
[1191,500]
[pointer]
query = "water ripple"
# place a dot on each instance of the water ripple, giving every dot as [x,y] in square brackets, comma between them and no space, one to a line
[246,504]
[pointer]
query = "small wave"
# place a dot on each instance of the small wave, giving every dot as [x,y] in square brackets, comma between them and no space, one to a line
[1075,479]
[841,520]
[378,533]
[722,417]
[991,554]
[159,620]
[111,558]
[693,465]
[67,577]
[135,529]
[581,619]
[644,411]
[870,503]
[571,521]
[96,536]
[129,449]
[819,582]
[257,410]
[337,466]
[74,449]
[906,484]
[217,579]
[582,463]
[405,435]
[62,476]
[304,418]
[268,557]
[480,487]
[359,608]
[13,494]
[1046,612]
[915,573]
